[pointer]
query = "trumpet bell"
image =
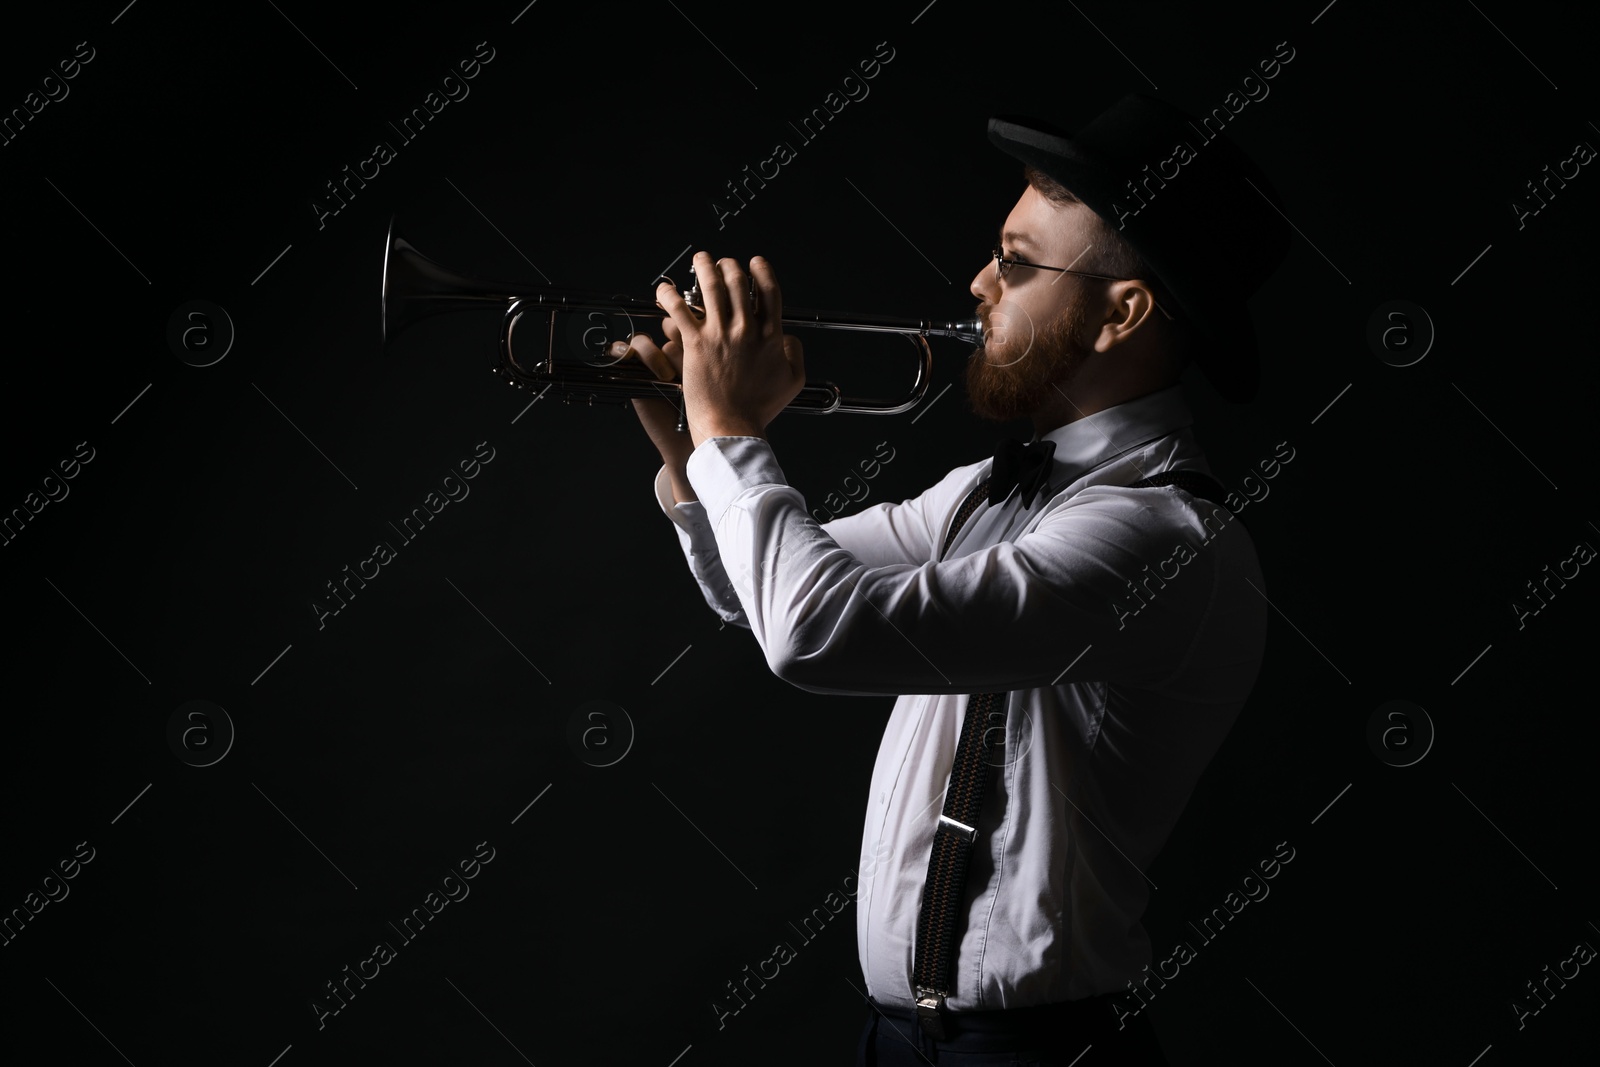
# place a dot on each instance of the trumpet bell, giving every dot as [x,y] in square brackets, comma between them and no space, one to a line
[415,287]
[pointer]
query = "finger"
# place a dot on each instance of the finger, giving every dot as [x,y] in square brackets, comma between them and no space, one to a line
[794,353]
[665,400]
[738,284]
[679,313]
[641,347]
[713,294]
[670,328]
[652,410]
[769,297]
[673,350]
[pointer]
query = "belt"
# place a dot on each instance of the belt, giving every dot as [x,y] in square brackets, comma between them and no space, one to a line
[1089,1015]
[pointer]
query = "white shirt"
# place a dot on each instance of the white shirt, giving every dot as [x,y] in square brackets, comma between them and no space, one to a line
[1115,701]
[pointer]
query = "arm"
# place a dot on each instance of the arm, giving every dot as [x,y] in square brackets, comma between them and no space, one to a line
[908,532]
[699,548]
[884,534]
[739,370]
[1040,611]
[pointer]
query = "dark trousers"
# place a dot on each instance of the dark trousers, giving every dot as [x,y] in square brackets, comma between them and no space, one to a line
[1050,1035]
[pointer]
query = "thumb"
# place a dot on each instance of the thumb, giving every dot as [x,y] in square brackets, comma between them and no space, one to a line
[794,353]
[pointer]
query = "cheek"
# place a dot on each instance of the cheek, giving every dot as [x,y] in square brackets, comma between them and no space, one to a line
[1064,329]
[1013,326]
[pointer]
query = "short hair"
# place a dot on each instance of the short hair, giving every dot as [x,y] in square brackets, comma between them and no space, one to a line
[1110,253]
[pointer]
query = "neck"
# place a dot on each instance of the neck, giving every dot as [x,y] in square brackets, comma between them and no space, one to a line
[1070,401]
[1069,404]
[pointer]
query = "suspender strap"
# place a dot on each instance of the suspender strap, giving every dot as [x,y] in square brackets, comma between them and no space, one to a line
[938,925]
[981,745]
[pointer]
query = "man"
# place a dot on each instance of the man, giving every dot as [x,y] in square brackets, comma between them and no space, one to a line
[1114,631]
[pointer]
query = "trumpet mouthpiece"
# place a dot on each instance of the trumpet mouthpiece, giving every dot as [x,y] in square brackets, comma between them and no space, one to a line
[968,330]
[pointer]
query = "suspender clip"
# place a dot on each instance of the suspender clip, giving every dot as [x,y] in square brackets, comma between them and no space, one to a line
[930,1009]
[967,833]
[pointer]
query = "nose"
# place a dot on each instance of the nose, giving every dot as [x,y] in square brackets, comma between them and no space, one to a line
[985,286]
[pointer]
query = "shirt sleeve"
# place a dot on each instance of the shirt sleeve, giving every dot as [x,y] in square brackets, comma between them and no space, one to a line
[1061,604]
[700,549]
[883,534]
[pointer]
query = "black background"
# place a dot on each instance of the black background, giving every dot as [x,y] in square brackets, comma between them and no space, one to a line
[424,718]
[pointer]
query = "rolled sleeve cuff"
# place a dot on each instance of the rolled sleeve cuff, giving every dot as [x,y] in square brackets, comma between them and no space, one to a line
[723,468]
[690,515]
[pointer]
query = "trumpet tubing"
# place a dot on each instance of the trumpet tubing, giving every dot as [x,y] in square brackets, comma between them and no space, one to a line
[415,287]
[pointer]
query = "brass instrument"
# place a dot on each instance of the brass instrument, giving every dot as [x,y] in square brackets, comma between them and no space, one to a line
[415,287]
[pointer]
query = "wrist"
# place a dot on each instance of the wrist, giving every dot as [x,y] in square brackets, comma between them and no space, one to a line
[682,491]
[731,429]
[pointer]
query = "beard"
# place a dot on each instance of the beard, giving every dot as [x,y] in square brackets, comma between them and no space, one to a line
[1003,386]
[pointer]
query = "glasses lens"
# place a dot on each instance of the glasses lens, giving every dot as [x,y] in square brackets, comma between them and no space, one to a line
[999,263]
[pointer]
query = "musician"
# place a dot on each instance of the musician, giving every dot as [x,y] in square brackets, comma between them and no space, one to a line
[1119,627]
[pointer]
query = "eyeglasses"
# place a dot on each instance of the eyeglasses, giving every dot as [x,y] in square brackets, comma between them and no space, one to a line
[1002,264]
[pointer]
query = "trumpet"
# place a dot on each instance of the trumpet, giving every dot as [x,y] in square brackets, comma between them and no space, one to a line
[415,287]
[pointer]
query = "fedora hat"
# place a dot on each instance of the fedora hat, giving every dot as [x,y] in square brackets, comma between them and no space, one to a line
[1181,194]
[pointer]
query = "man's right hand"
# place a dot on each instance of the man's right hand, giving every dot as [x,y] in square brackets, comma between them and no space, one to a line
[660,414]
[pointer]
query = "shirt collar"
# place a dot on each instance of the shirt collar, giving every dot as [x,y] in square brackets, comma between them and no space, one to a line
[1089,442]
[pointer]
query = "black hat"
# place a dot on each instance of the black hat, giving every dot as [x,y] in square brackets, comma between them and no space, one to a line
[1181,194]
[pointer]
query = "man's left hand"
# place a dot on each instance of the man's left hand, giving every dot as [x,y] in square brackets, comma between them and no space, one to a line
[739,368]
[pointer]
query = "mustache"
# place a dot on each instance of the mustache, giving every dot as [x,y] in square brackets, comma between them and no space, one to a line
[982,312]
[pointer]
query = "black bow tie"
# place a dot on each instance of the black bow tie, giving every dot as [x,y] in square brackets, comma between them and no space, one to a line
[1018,464]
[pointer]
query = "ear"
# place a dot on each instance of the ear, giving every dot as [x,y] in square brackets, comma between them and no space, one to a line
[1129,307]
